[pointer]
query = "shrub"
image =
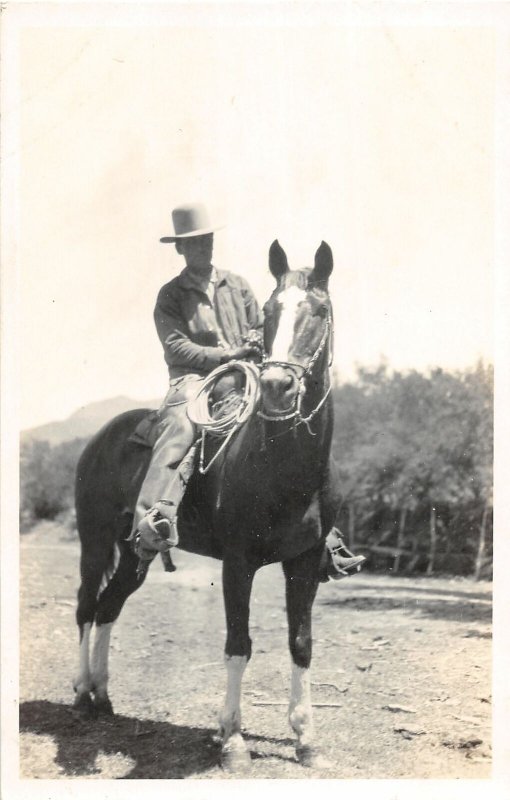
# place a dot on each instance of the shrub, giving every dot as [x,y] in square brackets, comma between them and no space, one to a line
[47,480]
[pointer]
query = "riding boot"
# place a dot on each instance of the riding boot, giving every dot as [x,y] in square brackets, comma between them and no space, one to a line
[155,535]
[156,531]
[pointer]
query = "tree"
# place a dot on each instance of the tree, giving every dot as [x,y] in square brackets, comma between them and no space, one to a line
[415,456]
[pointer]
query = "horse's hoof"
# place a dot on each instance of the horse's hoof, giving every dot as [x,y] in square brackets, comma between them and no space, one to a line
[311,758]
[103,705]
[235,756]
[217,736]
[83,703]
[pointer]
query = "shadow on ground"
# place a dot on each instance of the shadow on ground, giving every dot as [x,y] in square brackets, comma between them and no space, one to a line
[157,749]
[415,588]
[462,608]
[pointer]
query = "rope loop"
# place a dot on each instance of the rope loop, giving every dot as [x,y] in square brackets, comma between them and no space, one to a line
[236,415]
[198,407]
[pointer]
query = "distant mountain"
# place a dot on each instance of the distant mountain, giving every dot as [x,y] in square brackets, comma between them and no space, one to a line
[86,421]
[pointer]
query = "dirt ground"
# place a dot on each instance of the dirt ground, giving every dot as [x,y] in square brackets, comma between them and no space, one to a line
[401,669]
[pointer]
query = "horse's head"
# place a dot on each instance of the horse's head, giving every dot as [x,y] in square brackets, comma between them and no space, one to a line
[297,330]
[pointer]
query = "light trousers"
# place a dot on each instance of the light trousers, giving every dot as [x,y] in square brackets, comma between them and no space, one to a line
[169,470]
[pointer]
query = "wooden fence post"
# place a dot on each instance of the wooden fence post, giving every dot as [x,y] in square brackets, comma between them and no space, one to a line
[400,538]
[352,526]
[481,544]
[433,540]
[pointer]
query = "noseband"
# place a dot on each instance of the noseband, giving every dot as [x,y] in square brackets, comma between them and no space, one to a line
[301,373]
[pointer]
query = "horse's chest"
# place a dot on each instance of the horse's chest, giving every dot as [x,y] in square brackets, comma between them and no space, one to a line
[280,470]
[273,518]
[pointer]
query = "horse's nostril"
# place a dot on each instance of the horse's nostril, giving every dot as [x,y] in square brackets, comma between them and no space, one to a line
[276,381]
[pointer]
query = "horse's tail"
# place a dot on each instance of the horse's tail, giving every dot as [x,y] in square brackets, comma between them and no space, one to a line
[102,496]
[100,520]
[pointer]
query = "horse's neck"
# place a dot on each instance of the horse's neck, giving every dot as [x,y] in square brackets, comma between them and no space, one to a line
[288,453]
[316,392]
[292,449]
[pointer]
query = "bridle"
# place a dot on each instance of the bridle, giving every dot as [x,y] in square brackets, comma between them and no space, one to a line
[301,373]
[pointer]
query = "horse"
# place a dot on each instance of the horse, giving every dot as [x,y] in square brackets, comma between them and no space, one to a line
[270,496]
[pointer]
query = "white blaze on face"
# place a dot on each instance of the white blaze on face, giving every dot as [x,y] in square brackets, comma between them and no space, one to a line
[289,300]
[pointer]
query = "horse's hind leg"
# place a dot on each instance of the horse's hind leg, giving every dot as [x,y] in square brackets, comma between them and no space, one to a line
[93,564]
[123,583]
[301,574]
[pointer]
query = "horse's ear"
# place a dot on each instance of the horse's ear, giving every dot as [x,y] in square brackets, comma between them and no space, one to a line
[323,266]
[278,263]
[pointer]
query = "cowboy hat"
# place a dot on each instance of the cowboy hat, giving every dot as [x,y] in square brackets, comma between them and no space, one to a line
[190,220]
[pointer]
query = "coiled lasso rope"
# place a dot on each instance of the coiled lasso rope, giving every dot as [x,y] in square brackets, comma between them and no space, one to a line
[226,425]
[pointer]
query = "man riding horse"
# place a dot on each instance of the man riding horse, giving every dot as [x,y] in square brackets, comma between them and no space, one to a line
[205,317]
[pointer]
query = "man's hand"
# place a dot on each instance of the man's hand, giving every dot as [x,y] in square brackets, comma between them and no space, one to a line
[252,347]
[248,350]
[255,338]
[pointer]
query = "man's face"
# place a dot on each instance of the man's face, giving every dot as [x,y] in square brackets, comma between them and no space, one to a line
[197,251]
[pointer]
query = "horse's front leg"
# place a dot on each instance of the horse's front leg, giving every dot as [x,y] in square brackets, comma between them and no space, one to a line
[237,583]
[302,579]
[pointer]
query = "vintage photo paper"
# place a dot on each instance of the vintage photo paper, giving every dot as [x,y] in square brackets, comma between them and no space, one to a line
[382,130]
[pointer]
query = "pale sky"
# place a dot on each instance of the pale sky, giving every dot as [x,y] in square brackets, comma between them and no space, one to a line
[379,140]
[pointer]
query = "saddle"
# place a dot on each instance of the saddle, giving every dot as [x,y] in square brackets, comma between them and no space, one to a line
[147,430]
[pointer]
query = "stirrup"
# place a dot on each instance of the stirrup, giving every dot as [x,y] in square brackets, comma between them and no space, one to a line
[341,562]
[339,567]
[155,533]
[157,523]
[163,525]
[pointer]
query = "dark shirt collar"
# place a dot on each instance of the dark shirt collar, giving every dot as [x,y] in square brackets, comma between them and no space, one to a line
[189,281]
